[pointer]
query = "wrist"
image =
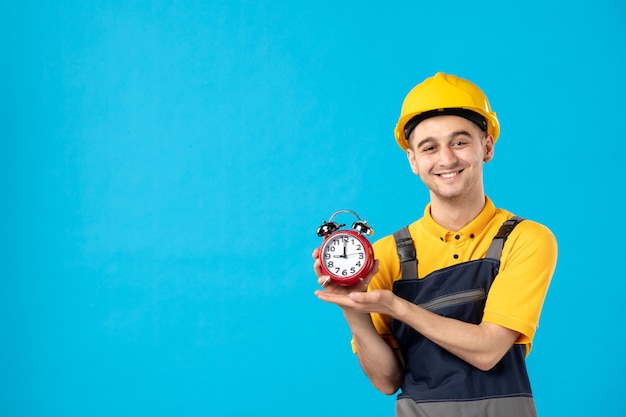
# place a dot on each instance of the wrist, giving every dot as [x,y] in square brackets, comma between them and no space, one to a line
[400,309]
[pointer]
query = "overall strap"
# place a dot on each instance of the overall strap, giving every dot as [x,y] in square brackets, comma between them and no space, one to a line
[408,256]
[406,253]
[495,249]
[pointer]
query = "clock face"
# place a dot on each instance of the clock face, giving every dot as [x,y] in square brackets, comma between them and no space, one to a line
[345,255]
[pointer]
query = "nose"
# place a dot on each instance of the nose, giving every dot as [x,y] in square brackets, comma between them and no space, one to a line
[447,157]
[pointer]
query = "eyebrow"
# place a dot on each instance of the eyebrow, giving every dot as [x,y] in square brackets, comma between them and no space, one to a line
[452,136]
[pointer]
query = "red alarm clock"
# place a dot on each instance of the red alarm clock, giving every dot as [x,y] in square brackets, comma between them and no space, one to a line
[346,256]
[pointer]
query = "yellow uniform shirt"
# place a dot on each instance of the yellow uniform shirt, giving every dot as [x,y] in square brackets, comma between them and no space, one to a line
[527,263]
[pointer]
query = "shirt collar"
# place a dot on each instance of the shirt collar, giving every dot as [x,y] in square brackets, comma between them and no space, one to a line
[473,228]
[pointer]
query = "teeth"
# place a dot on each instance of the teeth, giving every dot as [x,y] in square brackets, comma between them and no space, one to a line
[448,175]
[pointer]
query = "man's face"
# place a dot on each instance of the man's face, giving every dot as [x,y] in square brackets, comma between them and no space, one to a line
[447,153]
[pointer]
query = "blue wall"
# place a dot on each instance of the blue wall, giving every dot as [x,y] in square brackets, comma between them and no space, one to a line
[164,166]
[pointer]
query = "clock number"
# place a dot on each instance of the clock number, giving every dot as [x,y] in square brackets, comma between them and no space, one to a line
[331,264]
[361,255]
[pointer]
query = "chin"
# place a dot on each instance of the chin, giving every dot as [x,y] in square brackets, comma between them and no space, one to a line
[450,196]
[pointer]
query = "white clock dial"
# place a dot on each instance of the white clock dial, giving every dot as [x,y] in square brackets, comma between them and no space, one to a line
[343,255]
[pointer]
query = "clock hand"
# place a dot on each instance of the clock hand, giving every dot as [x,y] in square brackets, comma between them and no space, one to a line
[344,252]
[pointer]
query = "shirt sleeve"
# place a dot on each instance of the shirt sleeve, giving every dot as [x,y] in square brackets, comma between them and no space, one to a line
[517,295]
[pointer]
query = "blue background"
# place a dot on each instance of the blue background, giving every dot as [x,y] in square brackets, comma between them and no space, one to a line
[165,164]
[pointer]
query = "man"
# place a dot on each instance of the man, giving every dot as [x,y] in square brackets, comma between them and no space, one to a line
[452,305]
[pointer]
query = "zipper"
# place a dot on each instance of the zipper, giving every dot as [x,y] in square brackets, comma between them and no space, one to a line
[454,299]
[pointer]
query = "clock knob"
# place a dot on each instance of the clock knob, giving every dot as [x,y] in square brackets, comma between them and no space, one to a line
[363,228]
[327,228]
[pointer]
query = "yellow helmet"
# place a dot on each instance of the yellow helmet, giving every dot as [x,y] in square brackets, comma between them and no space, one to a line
[444,94]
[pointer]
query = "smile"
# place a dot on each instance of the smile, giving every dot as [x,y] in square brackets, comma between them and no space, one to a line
[448,175]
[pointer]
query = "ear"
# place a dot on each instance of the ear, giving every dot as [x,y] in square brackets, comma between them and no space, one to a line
[412,161]
[489,150]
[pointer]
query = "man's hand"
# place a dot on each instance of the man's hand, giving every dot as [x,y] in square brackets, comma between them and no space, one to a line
[377,301]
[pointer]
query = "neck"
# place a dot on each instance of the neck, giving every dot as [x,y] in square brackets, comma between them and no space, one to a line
[455,214]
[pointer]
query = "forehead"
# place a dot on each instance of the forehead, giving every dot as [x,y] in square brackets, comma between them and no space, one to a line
[444,127]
